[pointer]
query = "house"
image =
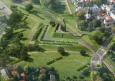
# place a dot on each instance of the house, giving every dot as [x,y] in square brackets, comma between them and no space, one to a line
[111,1]
[24,76]
[108,21]
[52,76]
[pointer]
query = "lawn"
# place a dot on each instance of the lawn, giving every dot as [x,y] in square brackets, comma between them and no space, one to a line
[66,67]
[90,41]
[7,2]
[74,47]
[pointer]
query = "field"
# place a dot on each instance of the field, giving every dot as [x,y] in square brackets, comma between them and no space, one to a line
[50,40]
[66,67]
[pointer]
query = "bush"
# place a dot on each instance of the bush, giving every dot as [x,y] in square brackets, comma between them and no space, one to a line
[81,68]
[29,7]
[54,60]
[39,30]
[33,47]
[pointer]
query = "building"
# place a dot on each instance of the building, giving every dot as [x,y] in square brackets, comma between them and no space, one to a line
[111,1]
[108,21]
[112,14]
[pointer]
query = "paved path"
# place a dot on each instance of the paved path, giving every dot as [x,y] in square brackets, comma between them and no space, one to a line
[69,9]
[99,55]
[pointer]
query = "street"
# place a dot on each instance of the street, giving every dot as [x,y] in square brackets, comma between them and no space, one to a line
[99,55]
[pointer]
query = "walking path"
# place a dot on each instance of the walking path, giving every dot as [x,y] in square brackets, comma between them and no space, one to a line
[69,9]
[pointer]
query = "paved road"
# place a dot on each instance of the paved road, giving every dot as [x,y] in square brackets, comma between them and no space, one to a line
[97,59]
[99,55]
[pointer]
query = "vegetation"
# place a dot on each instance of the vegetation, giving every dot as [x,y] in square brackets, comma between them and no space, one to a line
[11,41]
[42,35]
[29,7]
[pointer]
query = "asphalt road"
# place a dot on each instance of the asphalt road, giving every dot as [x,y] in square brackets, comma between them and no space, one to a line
[97,59]
[99,55]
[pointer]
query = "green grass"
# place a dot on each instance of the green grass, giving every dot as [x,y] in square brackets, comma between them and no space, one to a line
[69,64]
[7,2]
[65,35]
[66,67]
[90,41]
[74,48]
[51,31]
[109,61]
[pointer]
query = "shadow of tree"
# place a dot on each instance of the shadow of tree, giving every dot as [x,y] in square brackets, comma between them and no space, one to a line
[28,59]
[66,54]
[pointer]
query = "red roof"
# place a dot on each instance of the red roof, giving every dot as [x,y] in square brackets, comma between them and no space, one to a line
[112,1]
[108,18]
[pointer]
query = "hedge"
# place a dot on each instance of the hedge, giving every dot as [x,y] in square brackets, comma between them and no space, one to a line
[54,60]
[63,35]
[39,30]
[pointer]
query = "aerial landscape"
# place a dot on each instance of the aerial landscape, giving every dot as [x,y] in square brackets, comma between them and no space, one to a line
[57,40]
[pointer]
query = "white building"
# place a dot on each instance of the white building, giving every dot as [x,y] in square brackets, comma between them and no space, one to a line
[88,16]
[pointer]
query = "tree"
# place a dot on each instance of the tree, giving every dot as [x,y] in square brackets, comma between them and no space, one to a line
[98,2]
[98,37]
[83,52]
[29,7]
[4,59]
[82,25]
[52,22]
[80,15]
[17,49]
[17,20]
[61,50]
[113,47]
[55,5]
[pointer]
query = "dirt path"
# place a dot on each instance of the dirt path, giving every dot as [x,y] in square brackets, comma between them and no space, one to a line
[69,9]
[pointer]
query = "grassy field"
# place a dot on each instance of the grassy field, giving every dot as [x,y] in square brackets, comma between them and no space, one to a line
[66,67]
[111,63]
[91,42]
